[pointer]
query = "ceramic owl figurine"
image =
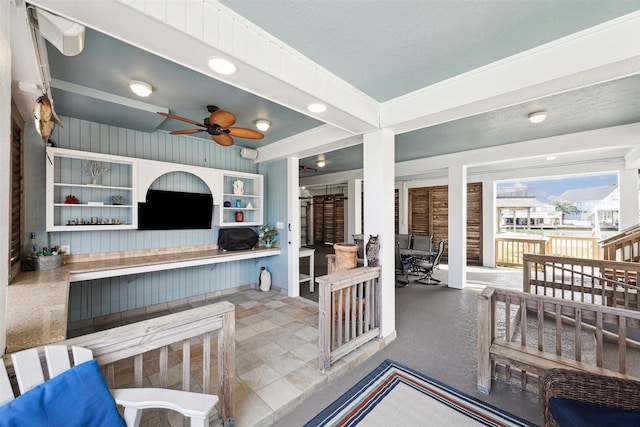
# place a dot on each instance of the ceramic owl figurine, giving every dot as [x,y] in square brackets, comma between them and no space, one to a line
[372,249]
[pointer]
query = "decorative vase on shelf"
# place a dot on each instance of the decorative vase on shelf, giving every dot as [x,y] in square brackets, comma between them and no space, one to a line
[238,187]
[268,243]
[239,216]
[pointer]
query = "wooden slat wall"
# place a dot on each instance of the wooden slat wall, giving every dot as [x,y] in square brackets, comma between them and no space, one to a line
[328,219]
[396,216]
[429,215]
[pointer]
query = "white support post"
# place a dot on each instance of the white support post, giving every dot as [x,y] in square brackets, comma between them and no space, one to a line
[457,244]
[628,179]
[293,227]
[489,223]
[354,208]
[378,156]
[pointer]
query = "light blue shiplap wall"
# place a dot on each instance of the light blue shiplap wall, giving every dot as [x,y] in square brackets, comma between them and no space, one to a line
[276,211]
[99,297]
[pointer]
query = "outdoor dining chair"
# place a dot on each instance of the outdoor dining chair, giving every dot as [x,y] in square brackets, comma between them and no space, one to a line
[425,268]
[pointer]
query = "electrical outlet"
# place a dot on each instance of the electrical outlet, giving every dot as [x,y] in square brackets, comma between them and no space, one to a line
[66,249]
[279,225]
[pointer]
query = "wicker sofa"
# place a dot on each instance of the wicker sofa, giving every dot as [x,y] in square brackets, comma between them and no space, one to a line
[587,399]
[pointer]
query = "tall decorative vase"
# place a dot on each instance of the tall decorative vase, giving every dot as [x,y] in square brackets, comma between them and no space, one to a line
[346,254]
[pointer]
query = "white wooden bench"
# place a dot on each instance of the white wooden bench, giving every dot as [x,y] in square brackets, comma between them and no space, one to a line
[29,373]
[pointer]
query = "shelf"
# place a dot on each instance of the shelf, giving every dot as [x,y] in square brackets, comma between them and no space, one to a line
[240,195]
[84,205]
[104,187]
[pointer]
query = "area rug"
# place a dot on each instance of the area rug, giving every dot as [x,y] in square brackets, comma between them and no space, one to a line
[394,395]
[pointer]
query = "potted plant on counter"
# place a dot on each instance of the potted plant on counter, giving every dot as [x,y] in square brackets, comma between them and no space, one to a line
[268,235]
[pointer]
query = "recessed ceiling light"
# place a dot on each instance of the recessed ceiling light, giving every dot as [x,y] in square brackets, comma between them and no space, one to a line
[551,157]
[140,88]
[222,66]
[317,107]
[320,163]
[538,116]
[263,125]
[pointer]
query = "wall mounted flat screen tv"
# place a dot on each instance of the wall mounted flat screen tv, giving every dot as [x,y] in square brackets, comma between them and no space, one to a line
[175,210]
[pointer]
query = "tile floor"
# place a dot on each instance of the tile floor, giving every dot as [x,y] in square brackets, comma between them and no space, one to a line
[276,355]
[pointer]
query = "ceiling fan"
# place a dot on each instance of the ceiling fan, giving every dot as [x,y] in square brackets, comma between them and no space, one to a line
[218,125]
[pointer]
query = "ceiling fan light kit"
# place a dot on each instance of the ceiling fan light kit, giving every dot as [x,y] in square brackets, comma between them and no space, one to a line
[538,117]
[140,88]
[222,66]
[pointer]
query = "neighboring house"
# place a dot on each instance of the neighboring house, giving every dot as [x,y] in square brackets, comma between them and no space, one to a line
[528,211]
[603,201]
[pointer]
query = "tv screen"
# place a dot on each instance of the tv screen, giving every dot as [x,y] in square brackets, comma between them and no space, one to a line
[175,210]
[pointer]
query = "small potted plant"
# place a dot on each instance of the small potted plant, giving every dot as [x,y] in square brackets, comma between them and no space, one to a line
[268,235]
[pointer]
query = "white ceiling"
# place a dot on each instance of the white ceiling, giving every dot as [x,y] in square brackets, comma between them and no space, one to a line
[384,53]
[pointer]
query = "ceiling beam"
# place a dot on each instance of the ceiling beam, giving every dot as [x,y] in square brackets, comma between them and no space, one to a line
[601,53]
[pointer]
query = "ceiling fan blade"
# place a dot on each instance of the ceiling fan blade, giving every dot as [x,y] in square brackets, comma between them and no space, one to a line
[222,118]
[186,131]
[223,139]
[246,133]
[182,119]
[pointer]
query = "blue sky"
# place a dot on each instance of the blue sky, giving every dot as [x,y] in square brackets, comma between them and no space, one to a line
[555,186]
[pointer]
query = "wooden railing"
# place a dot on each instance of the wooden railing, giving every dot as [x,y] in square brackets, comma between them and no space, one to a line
[600,282]
[624,246]
[176,331]
[511,341]
[349,307]
[510,250]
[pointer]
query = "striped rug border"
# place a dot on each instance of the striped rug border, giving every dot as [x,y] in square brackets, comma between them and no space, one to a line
[350,408]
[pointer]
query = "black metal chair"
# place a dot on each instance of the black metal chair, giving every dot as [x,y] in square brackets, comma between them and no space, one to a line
[403,267]
[425,268]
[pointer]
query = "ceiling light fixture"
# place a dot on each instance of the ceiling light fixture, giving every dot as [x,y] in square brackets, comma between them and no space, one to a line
[551,158]
[222,66]
[321,163]
[538,116]
[317,107]
[140,88]
[263,125]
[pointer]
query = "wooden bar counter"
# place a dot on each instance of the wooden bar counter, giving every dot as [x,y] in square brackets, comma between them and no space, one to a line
[37,301]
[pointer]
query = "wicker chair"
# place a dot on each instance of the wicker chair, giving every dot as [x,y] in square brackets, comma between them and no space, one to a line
[589,388]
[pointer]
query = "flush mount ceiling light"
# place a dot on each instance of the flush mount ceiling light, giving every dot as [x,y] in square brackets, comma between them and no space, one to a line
[140,88]
[263,125]
[222,66]
[320,163]
[538,116]
[316,107]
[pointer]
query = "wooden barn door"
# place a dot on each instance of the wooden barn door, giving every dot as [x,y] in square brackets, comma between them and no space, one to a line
[429,215]
[328,219]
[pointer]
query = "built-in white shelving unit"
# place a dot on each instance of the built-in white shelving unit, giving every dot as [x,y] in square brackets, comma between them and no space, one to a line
[130,179]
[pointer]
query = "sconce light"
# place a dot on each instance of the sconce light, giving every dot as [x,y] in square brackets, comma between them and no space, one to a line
[263,125]
[140,88]
[321,163]
[538,116]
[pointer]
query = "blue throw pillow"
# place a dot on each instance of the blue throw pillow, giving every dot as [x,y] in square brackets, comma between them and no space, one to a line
[76,397]
[572,413]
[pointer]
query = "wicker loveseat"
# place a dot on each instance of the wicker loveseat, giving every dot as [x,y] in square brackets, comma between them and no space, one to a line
[579,398]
